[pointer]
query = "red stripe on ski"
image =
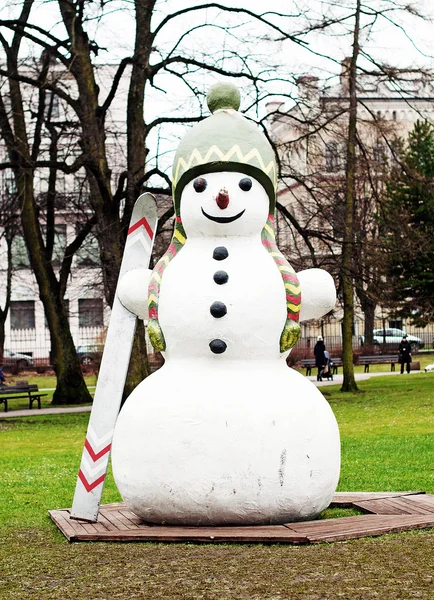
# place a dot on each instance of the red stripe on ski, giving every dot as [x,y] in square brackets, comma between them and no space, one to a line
[96,455]
[90,486]
[145,224]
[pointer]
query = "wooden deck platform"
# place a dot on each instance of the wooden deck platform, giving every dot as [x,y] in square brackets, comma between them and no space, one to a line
[385,513]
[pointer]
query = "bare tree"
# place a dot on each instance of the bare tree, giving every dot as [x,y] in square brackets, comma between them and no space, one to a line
[111,200]
[334,166]
[71,387]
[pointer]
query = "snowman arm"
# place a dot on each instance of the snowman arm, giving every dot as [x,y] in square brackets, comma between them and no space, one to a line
[318,293]
[133,291]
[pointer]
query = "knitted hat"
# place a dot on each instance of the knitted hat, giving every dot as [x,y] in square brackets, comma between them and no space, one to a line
[225,141]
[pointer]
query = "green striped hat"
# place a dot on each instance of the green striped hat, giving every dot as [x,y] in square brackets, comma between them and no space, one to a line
[225,141]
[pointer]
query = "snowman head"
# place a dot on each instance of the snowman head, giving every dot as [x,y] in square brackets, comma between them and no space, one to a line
[223,203]
[222,150]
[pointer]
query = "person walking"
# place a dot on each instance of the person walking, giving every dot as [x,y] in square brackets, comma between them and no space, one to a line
[404,350]
[320,359]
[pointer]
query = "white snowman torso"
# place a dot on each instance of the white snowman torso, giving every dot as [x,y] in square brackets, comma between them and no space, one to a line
[226,289]
[225,432]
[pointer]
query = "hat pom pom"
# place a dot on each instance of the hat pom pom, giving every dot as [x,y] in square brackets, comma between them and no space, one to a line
[223,96]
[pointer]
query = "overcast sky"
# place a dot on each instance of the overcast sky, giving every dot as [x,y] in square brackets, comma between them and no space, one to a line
[411,44]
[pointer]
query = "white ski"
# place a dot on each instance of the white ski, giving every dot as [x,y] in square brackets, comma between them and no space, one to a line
[113,370]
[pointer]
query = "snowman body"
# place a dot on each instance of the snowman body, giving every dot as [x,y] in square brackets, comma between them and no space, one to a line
[225,432]
[253,296]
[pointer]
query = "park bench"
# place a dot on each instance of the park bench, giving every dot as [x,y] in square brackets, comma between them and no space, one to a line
[309,363]
[21,390]
[381,359]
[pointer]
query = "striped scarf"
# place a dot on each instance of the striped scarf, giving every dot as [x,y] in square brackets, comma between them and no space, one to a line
[291,331]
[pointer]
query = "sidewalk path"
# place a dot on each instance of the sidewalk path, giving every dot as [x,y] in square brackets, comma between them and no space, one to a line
[337,379]
[34,412]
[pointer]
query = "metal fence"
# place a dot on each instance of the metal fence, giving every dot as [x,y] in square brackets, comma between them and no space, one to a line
[31,349]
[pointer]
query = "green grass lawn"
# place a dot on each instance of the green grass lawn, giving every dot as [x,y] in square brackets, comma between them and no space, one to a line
[387,434]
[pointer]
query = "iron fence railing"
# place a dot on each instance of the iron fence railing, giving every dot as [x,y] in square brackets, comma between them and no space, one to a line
[30,348]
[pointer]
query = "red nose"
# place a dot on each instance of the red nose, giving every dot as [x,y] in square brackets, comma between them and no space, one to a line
[222,198]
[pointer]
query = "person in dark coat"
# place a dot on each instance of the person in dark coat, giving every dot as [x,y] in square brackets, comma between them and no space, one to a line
[320,359]
[404,350]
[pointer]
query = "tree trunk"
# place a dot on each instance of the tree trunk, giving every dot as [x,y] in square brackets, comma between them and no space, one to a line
[71,387]
[369,312]
[139,367]
[3,316]
[108,229]
[349,382]
[4,311]
[136,159]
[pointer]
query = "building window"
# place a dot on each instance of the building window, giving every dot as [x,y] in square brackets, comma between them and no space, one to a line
[22,314]
[379,154]
[20,256]
[395,324]
[394,115]
[332,157]
[59,244]
[51,108]
[90,312]
[88,253]
[9,182]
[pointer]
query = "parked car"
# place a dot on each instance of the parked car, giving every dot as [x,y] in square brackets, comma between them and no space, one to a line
[17,359]
[392,338]
[90,354]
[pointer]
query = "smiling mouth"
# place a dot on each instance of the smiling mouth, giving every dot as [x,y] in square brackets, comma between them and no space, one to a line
[223,219]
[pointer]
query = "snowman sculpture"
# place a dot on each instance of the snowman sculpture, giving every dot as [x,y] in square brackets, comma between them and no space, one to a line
[224,432]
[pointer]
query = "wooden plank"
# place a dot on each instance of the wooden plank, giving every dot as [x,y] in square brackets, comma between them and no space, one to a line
[267,534]
[132,517]
[91,527]
[62,524]
[382,524]
[126,523]
[117,523]
[114,506]
[346,499]
[426,501]
[69,528]
[109,525]
[110,517]
[344,523]
[391,506]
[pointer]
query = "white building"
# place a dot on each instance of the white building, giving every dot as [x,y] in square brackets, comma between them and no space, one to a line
[311,137]
[26,329]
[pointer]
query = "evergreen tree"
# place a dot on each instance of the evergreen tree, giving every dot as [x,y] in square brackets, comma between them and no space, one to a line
[410,227]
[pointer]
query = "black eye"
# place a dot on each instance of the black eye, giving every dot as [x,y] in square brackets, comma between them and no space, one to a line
[200,184]
[245,184]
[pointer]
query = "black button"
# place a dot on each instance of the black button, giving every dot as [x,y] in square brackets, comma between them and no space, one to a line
[218,309]
[220,253]
[217,346]
[221,277]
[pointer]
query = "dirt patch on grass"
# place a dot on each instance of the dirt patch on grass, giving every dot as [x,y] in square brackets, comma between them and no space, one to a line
[40,565]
